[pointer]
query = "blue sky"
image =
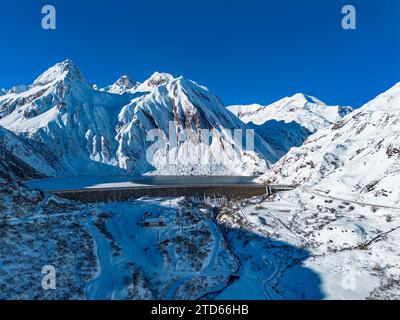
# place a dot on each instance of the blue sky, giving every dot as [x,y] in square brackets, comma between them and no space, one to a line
[244,51]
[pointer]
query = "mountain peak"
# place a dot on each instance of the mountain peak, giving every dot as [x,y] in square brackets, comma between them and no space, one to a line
[17,89]
[122,85]
[60,71]
[159,78]
[125,80]
[305,110]
[304,98]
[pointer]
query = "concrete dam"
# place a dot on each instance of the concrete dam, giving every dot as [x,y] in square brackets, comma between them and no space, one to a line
[123,188]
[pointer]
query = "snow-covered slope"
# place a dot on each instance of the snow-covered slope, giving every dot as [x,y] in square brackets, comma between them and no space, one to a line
[12,167]
[346,210]
[18,159]
[288,122]
[66,119]
[84,131]
[281,136]
[177,104]
[358,157]
[307,111]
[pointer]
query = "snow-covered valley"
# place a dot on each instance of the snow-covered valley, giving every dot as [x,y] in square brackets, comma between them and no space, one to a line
[335,236]
[296,245]
[104,252]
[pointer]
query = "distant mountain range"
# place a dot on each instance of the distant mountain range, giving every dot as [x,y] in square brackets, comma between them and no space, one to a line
[307,111]
[288,122]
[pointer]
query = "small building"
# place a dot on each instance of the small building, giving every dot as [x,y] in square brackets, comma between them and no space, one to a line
[153,222]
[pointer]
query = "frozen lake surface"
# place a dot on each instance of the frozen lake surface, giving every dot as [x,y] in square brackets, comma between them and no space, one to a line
[106,182]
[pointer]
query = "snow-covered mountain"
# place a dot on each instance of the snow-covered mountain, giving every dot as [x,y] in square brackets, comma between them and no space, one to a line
[347,206]
[84,131]
[66,119]
[288,122]
[12,167]
[18,89]
[358,156]
[175,105]
[307,111]
[335,237]
[123,85]
[18,160]
[281,136]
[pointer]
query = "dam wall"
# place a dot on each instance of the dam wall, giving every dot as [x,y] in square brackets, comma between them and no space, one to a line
[230,192]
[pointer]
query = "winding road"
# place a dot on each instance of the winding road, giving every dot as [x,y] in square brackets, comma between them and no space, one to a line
[308,190]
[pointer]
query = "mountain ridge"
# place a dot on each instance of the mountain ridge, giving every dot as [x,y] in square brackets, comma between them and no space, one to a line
[358,156]
[90,131]
[308,111]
